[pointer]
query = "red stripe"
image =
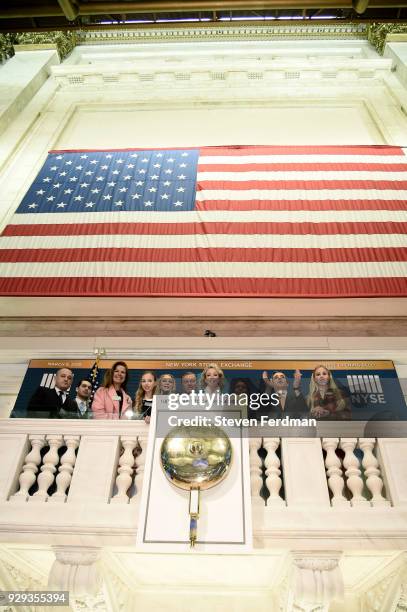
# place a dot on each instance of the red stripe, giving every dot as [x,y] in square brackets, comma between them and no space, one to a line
[173,229]
[261,150]
[302,167]
[304,150]
[205,255]
[301,205]
[304,185]
[204,287]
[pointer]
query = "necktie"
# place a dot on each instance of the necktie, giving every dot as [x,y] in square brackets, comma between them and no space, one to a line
[82,407]
[60,397]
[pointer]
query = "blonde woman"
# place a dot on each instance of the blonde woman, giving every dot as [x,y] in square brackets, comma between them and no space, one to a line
[325,399]
[143,400]
[166,384]
[212,379]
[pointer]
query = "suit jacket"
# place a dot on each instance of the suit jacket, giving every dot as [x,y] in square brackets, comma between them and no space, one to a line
[295,407]
[105,407]
[75,413]
[45,404]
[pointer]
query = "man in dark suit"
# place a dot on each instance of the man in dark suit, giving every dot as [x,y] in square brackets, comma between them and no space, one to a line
[291,402]
[47,403]
[80,405]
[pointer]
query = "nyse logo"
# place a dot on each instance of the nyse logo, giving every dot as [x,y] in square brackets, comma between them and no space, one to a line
[366,389]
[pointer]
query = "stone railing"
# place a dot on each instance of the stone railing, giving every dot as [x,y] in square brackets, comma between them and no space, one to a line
[60,479]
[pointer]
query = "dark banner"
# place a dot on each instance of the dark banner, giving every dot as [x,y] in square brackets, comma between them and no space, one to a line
[325,391]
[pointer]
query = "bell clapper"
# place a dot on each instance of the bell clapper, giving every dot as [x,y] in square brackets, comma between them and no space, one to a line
[194,515]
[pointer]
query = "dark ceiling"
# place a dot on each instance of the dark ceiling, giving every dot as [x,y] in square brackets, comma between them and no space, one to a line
[28,15]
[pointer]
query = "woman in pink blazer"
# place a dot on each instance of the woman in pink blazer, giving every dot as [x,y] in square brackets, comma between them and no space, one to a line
[111,400]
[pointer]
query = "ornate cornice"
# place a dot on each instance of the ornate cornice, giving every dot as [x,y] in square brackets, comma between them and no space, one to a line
[377,33]
[222,32]
[63,41]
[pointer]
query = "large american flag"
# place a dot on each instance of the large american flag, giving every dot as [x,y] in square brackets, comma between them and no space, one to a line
[321,221]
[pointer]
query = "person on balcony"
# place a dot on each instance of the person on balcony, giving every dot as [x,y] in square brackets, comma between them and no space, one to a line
[83,393]
[47,403]
[166,384]
[188,383]
[111,400]
[143,402]
[291,402]
[212,379]
[325,399]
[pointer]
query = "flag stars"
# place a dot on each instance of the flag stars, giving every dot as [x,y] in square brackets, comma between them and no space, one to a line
[168,171]
[51,199]
[159,154]
[95,190]
[61,205]
[79,198]
[136,196]
[119,161]
[184,154]
[148,203]
[68,191]
[181,177]
[46,179]
[170,160]
[153,189]
[123,189]
[107,197]
[78,167]
[59,157]
[89,204]
[115,172]
[127,177]
[99,178]
[69,163]
[142,171]
[164,196]
[111,184]
[62,174]
[134,155]
[94,161]
[154,177]
[108,156]
[130,166]
[40,192]
[119,203]
[85,185]
[178,203]
[104,167]
[167,183]
[181,189]
[84,156]
[33,205]
[89,173]
[139,183]
[182,166]
[54,168]
[73,179]
[144,160]
[157,166]
[57,185]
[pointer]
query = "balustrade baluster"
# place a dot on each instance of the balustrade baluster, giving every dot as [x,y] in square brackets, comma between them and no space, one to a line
[353,472]
[374,480]
[273,472]
[256,480]
[48,468]
[334,473]
[65,471]
[125,470]
[139,467]
[32,461]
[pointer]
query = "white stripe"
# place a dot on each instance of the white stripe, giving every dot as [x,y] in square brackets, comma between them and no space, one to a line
[202,270]
[250,241]
[302,159]
[348,175]
[160,218]
[297,194]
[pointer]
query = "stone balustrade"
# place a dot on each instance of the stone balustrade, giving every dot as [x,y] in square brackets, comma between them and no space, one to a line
[59,478]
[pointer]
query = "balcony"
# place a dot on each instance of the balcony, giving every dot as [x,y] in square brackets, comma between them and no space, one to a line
[329,519]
